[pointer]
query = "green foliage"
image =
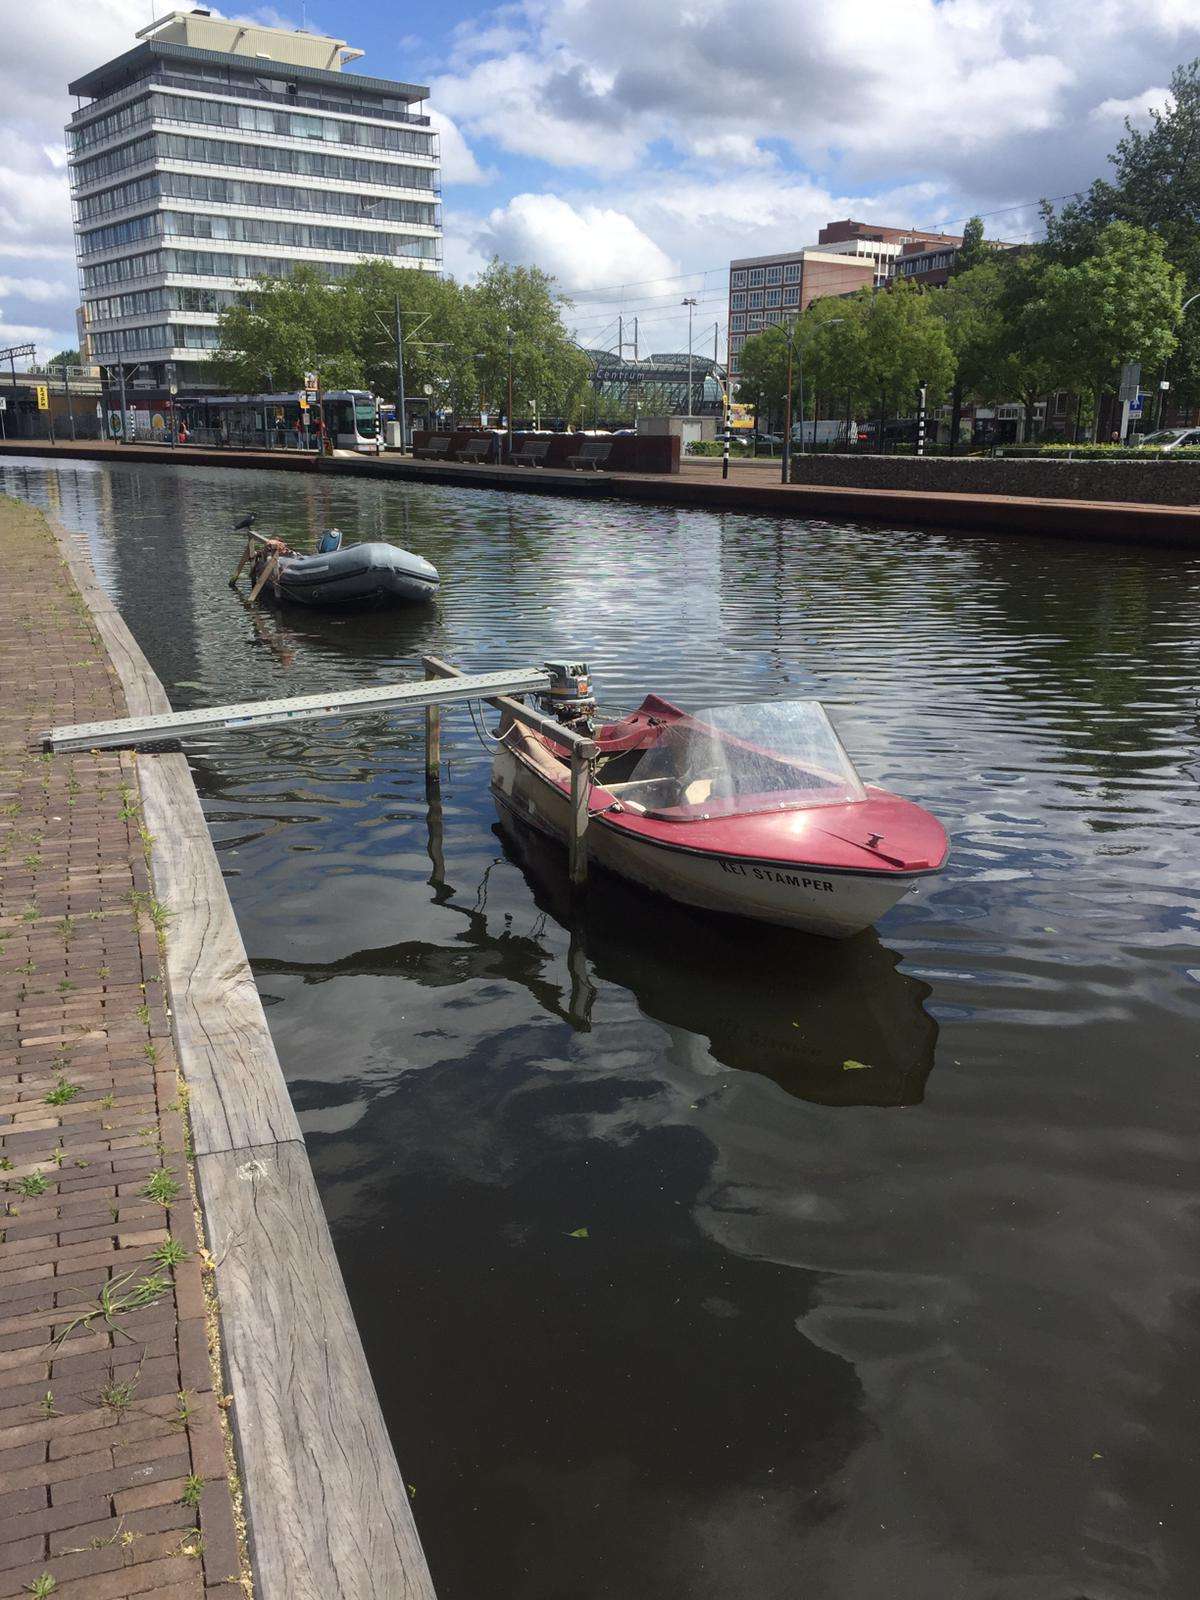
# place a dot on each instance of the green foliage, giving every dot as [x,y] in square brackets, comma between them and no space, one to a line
[161,1186]
[974,248]
[455,337]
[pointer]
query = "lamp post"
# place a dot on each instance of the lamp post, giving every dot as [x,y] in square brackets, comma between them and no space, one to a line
[690,302]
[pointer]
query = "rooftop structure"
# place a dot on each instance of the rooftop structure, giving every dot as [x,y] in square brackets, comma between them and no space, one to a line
[658,382]
[764,290]
[213,153]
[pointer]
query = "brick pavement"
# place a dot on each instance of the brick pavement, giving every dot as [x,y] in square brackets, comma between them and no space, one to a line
[113,1476]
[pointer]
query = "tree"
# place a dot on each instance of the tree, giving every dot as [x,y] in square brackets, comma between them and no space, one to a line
[283,328]
[1119,304]
[973,250]
[546,366]
[455,337]
[763,375]
[1155,187]
[971,306]
[904,344]
[71,357]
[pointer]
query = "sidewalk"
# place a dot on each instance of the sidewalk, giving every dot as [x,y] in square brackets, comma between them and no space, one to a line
[113,1468]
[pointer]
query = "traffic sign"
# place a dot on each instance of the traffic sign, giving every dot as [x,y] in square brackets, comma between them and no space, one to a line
[1131,378]
[3,403]
[311,380]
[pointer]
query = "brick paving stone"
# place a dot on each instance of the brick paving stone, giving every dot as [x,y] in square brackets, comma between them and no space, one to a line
[88,1492]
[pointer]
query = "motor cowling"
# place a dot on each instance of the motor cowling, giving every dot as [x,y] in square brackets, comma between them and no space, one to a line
[330,541]
[569,697]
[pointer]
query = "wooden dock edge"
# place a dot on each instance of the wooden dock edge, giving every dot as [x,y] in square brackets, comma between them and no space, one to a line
[327,1511]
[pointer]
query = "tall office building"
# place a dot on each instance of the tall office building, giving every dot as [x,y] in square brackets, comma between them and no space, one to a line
[847,257]
[214,152]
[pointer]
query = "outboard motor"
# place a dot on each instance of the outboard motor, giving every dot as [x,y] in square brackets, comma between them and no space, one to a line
[331,540]
[569,698]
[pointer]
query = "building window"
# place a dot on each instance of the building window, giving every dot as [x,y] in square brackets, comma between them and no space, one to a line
[754,323]
[757,277]
[737,322]
[756,299]
[774,274]
[773,297]
[791,297]
[736,363]
[772,317]
[738,279]
[738,302]
[791,272]
[738,341]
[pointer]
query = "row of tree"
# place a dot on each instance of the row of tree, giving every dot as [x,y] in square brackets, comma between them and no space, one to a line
[1106,286]
[456,338]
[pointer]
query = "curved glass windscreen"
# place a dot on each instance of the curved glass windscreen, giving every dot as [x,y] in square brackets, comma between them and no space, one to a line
[731,760]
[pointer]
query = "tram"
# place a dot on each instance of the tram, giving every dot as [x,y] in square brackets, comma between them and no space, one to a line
[280,422]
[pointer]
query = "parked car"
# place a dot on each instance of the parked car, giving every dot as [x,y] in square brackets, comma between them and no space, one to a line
[1167,439]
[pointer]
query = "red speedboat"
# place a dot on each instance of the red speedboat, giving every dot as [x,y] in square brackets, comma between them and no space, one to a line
[751,809]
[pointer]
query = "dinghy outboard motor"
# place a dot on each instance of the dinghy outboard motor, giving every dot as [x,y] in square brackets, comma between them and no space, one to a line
[331,540]
[569,697]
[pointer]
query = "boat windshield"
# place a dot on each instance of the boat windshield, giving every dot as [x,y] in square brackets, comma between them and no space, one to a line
[732,760]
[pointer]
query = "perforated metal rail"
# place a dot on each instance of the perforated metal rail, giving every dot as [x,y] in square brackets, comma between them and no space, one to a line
[128,731]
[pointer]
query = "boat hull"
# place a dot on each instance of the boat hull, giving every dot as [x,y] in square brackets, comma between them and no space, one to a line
[356,575]
[830,902]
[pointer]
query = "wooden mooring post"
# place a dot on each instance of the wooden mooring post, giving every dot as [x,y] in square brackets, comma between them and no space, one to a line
[583,756]
[433,732]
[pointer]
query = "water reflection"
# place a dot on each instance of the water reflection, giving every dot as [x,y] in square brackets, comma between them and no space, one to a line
[835,1023]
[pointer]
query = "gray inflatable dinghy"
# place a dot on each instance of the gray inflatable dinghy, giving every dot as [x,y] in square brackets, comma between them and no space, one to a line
[340,575]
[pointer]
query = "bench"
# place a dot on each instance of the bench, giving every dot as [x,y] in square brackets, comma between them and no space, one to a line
[475,450]
[436,449]
[594,454]
[532,454]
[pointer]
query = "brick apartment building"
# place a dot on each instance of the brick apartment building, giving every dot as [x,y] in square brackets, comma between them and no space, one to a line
[848,256]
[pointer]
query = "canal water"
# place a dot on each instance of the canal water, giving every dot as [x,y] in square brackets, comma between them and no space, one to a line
[705,1262]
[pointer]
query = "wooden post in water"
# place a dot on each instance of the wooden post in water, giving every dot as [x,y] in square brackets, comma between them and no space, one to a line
[433,731]
[581,785]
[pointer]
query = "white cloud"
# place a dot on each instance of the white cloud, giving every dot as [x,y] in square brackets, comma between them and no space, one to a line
[583,246]
[24,333]
[459,165]
[36,289]
[1137,108]
[963,91]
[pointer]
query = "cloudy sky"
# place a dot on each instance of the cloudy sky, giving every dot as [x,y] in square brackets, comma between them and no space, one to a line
[632,146]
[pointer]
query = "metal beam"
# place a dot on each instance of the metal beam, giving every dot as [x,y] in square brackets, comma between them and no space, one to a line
[128,731]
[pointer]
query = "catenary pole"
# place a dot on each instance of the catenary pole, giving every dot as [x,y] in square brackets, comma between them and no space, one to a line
[400,405]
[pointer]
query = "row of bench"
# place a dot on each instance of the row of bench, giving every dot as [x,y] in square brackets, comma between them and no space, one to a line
[593,453]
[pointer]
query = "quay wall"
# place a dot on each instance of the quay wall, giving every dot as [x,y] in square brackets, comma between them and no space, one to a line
[1150,482]
[328,1515]
[698,484]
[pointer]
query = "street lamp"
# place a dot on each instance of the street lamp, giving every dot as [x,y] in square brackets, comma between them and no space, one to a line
[690,302]
[799,349]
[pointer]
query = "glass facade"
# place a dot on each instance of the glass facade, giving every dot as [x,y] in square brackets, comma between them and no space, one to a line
[290,156]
